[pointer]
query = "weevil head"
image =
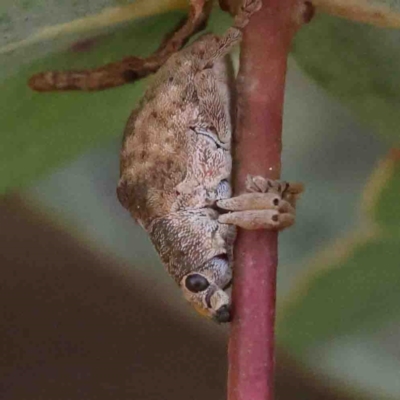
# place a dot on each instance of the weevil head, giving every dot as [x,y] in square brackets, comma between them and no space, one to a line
[197,252]
[205,289]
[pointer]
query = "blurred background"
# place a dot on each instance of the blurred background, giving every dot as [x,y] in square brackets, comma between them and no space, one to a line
[88,311]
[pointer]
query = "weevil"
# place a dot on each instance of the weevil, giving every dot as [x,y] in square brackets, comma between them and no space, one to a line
[176,165]
[176,162]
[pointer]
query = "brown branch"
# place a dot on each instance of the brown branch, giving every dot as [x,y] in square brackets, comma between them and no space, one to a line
[261,81]
[130,68]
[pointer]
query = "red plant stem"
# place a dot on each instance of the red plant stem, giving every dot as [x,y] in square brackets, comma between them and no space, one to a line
[261,82]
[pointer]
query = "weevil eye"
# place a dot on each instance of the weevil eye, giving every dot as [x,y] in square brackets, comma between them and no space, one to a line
[196,283]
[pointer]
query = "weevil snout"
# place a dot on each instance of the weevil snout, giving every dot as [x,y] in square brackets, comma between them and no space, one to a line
[223,314]
[205,290]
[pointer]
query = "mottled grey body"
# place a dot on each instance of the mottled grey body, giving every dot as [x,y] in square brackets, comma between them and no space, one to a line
[176,163]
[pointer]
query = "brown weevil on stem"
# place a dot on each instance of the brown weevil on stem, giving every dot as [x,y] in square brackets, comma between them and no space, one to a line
[176,162]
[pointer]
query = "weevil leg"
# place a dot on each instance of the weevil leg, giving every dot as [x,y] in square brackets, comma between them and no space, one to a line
[269,205]
[215,75]
[210,48]
[258,219]
[213,98]
[247,9]
[288,191]
[256,201]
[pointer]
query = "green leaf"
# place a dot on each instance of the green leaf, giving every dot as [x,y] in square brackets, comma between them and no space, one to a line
[353,286]
[385,13]
[42,130]
[26,22]
[359,64]
[388,211]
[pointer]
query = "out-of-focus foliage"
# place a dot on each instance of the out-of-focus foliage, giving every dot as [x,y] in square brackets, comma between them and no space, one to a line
[40,131]
[357,63]
[384,13]
[353,286]
[31,29]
